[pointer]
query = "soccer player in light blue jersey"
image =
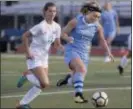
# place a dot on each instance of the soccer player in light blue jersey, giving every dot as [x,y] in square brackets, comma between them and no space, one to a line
[110,23]
[82,30]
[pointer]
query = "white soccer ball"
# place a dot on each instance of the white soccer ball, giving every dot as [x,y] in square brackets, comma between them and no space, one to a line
[100,99]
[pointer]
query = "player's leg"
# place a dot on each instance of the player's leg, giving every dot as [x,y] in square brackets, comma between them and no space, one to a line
[42,76]
[124,62]
[73,60]
[39,78]
[27,75]
[67,80]
[124,59]
[78,79]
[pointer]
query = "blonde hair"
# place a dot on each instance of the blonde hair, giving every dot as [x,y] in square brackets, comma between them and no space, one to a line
[94,4]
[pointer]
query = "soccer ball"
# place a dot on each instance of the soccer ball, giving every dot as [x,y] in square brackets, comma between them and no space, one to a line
[100,99]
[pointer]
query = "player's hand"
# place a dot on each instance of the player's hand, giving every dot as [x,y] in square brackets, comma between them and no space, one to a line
[70,39]
[111,57]
[61,47]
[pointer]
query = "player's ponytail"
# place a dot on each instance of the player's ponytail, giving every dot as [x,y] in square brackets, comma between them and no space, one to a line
[89,7]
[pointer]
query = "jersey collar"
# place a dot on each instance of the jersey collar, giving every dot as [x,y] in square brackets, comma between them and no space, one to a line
[83,19]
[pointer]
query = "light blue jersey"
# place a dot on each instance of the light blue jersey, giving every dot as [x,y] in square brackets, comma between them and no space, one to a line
[83,34]
[108,19]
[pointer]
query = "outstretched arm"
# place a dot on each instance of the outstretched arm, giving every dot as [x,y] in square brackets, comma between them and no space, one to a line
[103,42]
[67,29]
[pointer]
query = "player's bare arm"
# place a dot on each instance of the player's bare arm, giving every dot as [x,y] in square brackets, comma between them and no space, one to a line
[57,42]
[25,39]
[67,29]
[103,42]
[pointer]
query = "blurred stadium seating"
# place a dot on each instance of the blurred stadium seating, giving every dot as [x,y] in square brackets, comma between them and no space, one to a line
[19,16]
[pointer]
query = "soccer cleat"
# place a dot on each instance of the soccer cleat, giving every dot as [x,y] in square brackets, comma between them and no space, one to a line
[79,98]
[62,82]
[26,106]
[22,80]
[121,70]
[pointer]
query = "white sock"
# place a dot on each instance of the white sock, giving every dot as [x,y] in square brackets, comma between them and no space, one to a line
[33,79]
[123,62]
[30,95]
[69,82]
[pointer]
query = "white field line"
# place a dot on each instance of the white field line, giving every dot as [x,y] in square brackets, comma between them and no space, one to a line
[100,71]
[127,76]
[15,74]
[6,73]
[70,91]
[92,58]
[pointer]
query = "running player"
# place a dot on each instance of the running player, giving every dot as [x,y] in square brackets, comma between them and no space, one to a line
[43,35]
[110,23]
[81,29]
[124,59]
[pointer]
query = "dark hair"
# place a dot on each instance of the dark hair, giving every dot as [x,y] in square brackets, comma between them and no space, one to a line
[92,6]
[47,5]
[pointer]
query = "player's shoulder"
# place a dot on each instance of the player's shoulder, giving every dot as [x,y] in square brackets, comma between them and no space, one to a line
[40,24]
[79,16]
[43,22]
[97,23]
[57,25]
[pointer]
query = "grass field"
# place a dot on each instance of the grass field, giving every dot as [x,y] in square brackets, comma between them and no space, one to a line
[101,77]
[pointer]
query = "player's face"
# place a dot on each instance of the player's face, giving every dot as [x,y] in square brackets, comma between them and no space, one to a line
[93,16]
[107,6]
[50,13]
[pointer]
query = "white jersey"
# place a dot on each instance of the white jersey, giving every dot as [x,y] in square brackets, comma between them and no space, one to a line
[43,35]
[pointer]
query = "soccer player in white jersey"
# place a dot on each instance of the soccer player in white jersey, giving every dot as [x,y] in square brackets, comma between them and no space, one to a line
[124,59]
[43,35]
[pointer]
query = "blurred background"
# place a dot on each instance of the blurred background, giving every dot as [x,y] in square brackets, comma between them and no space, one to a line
[19,16]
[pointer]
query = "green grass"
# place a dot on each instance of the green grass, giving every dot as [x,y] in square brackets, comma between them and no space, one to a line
[100,75]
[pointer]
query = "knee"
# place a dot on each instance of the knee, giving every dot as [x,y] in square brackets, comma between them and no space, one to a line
[81,69]
[47,84]
[44,84]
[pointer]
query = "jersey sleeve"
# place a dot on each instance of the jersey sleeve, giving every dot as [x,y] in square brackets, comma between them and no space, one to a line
[58,32]
[35,30]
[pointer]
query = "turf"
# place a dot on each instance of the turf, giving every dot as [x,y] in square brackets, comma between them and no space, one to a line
[101,77]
